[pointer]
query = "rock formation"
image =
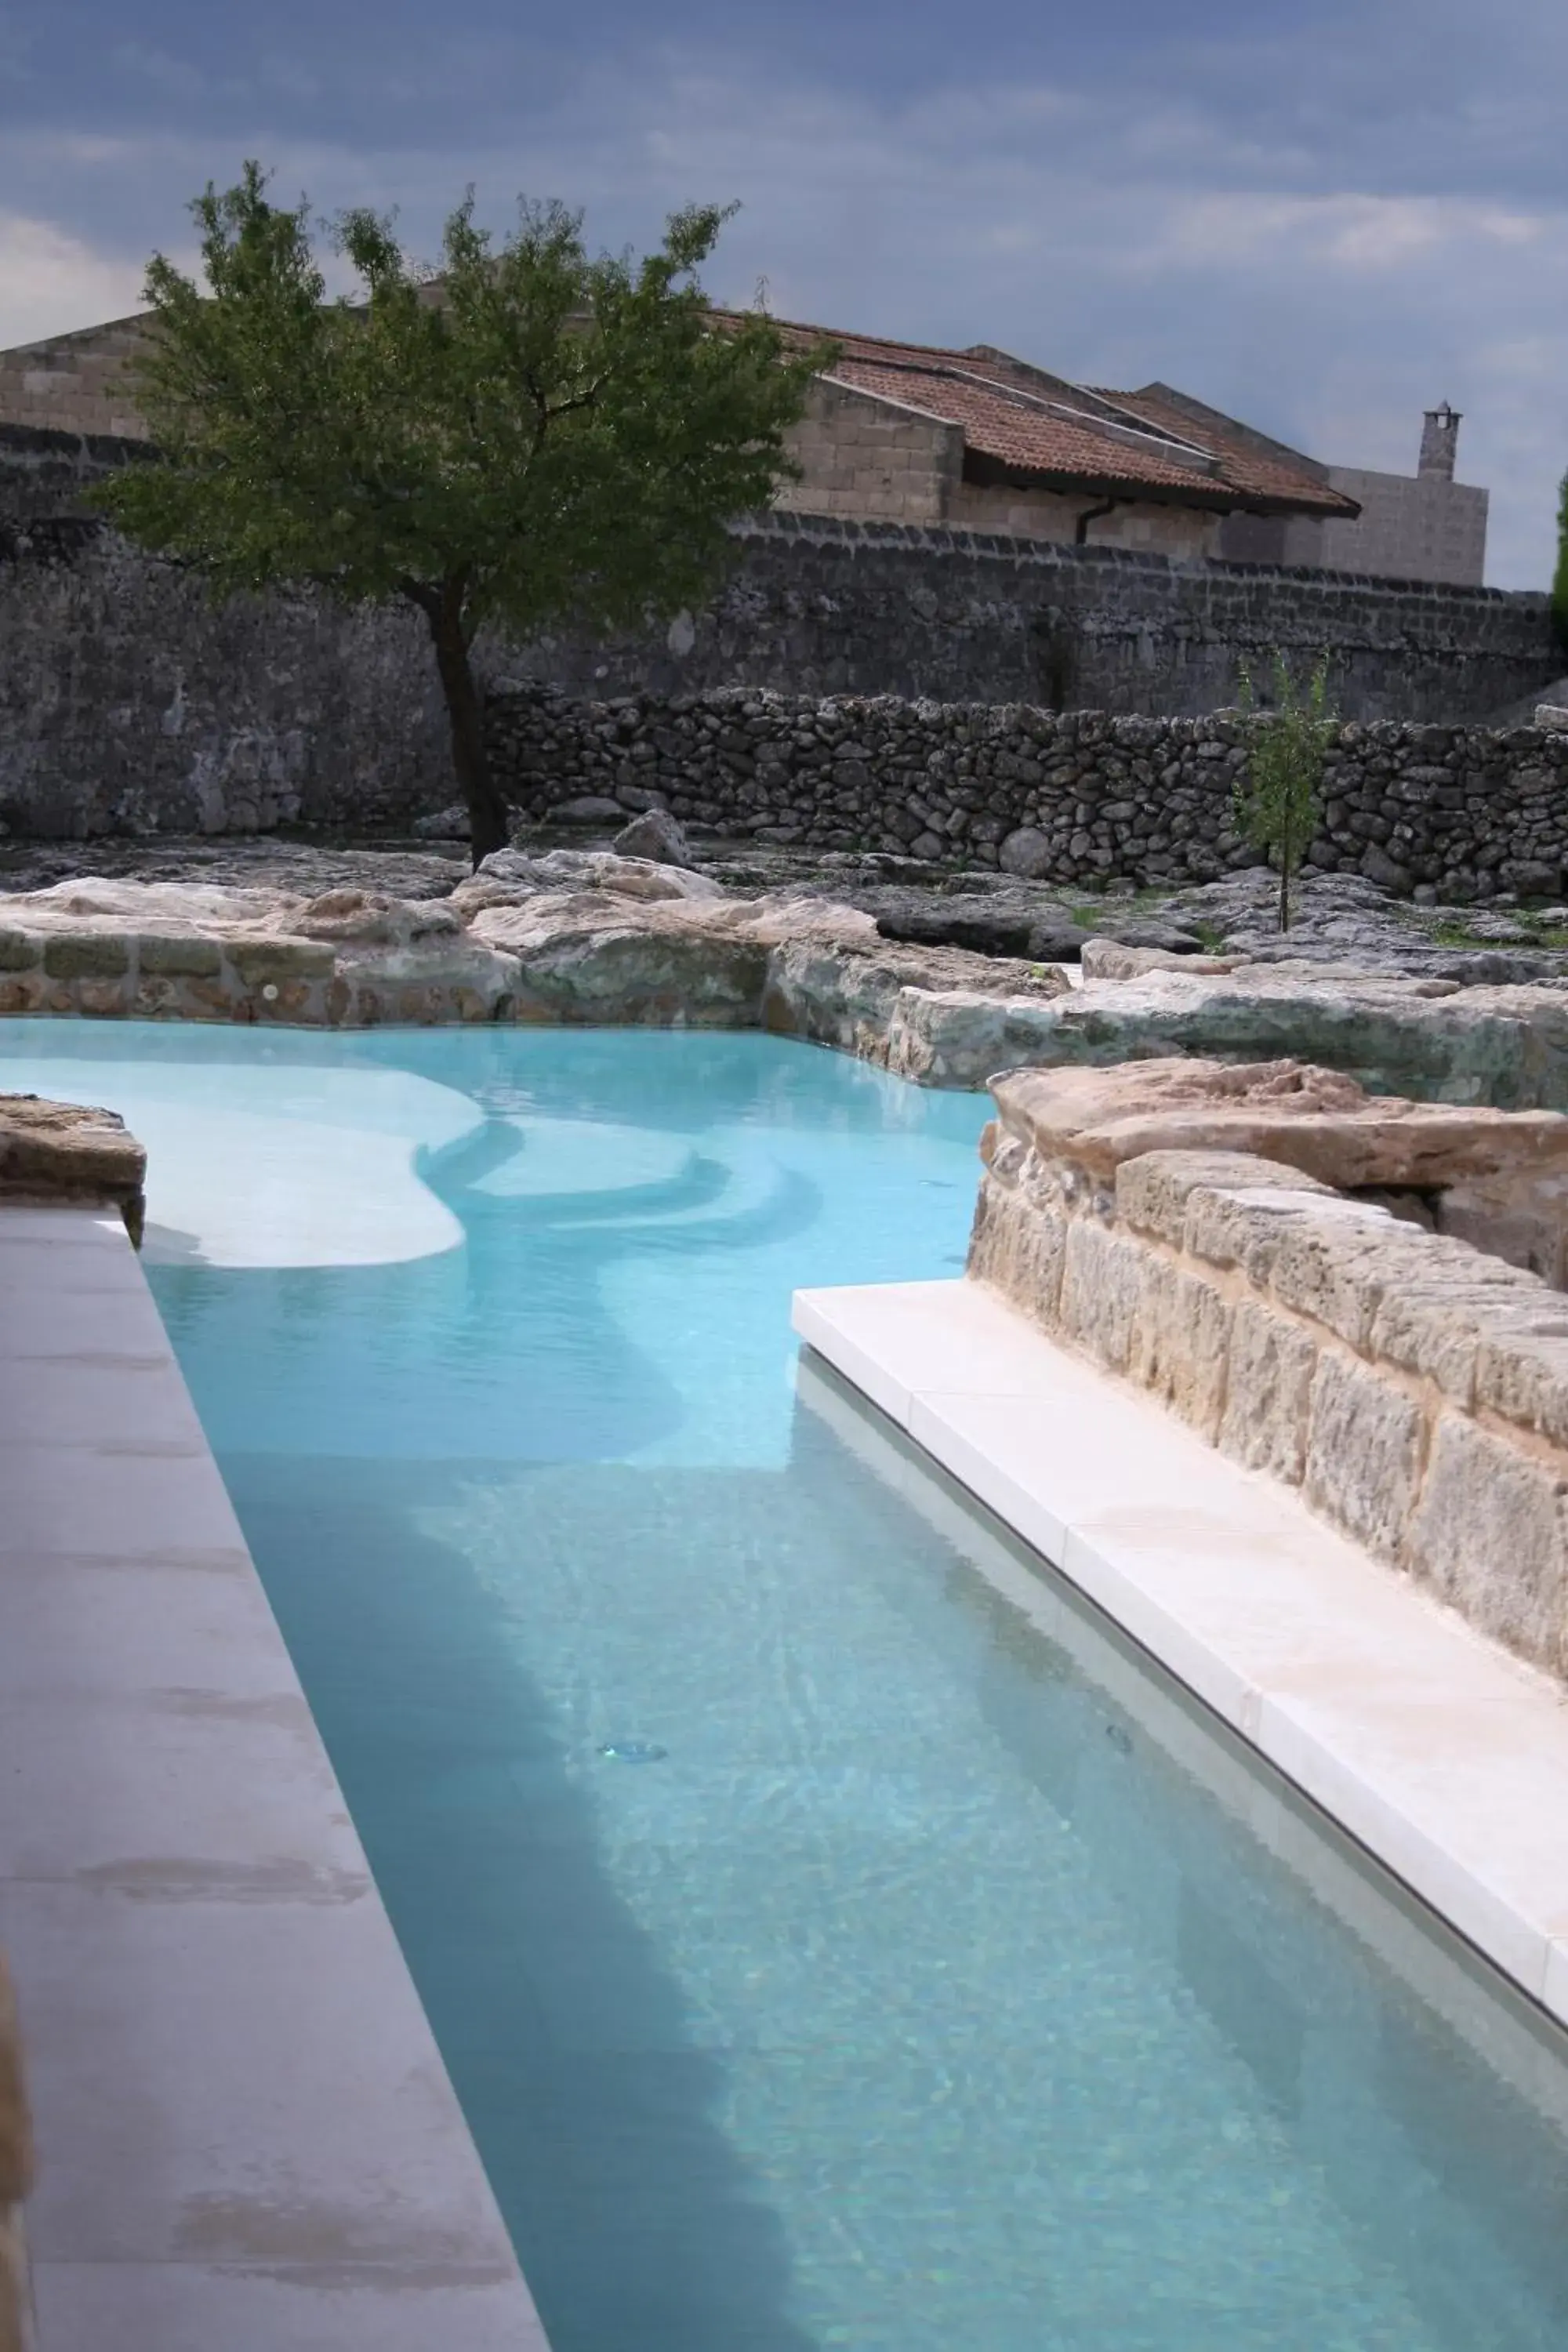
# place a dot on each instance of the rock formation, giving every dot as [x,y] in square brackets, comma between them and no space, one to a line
[61,1155]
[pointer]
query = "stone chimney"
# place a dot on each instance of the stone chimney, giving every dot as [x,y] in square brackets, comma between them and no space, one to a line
[1439,440]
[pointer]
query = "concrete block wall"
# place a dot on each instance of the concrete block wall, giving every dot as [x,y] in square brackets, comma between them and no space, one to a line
[1184,532]
[871,459]
[1415,1389]
[1411,527]
[75,383]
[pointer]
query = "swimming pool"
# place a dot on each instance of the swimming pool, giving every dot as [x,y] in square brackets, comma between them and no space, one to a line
[831,1947]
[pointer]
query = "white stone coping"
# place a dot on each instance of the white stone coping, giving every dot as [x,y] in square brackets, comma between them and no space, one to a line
[247,2137]
[1443,1756]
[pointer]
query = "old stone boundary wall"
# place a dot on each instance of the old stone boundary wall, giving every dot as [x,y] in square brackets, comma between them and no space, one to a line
[1079,798]
[819,607]
[1414,1387]
[130,703]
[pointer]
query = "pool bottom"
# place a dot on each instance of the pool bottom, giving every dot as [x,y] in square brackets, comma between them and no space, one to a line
[915,1992]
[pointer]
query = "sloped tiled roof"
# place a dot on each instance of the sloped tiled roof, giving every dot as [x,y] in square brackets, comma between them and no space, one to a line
[1073,435]
[1249,459]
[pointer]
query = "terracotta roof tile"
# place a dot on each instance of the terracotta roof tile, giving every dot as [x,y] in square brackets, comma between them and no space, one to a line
[1249,468]
[1073,435]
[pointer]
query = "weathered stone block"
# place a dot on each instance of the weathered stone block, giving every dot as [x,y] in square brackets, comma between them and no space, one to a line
[19,950]
[1018,1246]
[1434,1323]
[173,953]
[1267,1409]
[86,955]
[1337,1263]
[256,961]
[1180,1343]
[1104,1279]
[1489,1535]
[62,1151]
[1363,1453]
[1153,1192]
[1521,1367]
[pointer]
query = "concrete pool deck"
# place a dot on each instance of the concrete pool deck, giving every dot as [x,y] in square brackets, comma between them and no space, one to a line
[247,2137]
[1440,1754]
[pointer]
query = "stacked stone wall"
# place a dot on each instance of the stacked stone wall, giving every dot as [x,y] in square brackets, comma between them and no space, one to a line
[1413,1388]
[815,605]
[130,702]
[1083,798]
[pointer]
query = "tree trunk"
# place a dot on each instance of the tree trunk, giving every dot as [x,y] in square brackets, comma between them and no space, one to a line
[1287,859]
[487,811]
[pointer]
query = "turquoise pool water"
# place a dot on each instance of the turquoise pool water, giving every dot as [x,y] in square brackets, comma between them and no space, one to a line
[825,1955]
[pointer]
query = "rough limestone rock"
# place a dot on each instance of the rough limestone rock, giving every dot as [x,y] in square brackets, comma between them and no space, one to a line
[523,874]
[145,904]
[588,808]
[655,834]
[1428,1038]
[982,925]
[596,957]
[63,1154]
[1292,1113]
[851,991]
[1028,852]
[1114,960]
[366,919]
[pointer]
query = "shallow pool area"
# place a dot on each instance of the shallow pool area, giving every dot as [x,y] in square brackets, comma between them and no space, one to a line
[825,1953]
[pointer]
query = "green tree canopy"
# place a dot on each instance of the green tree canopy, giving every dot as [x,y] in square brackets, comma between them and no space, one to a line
[526,434]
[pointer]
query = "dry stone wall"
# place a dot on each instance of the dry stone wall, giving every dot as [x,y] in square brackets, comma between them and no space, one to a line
[130,703]
[1080,797]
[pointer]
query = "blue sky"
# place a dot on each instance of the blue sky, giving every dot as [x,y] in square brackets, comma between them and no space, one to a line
[1323,216]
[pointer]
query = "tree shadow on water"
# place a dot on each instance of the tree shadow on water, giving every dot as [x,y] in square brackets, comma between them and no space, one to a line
[640,2226]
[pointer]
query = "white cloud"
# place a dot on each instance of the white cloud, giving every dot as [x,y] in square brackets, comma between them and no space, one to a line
[51,281]
[1322,267]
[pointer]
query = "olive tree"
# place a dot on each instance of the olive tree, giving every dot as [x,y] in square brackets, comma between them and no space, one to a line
[525,436]
[1278,795]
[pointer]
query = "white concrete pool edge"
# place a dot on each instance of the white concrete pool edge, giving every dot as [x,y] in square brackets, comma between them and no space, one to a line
[1444,1757]
[245,2133]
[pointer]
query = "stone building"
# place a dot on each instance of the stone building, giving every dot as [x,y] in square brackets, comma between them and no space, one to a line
[1420,526]
[74,384]
[979,440]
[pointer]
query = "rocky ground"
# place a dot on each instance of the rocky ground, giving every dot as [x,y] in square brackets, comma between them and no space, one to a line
[1339,918]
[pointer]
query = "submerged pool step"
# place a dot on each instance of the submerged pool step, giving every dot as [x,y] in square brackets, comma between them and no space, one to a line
[1441,1754]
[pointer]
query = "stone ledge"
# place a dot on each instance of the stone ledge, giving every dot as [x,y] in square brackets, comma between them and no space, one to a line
[1445,1759]
[241,2114]
[65,1155]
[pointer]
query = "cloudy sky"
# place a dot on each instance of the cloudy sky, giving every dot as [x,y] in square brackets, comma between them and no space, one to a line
[1323,215]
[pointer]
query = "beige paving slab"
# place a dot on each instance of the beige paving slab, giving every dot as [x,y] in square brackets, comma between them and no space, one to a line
[246,2134]
[189,2307]
[1439,1752]
[273,2094]
[47,1400]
